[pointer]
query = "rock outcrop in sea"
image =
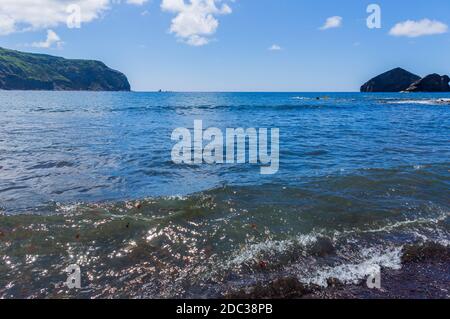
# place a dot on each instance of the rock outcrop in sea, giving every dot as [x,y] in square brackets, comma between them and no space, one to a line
[400,80]
[27,71]
[395,80]
[431,83]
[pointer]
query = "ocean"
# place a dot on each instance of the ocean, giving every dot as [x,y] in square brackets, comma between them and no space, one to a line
[87,178]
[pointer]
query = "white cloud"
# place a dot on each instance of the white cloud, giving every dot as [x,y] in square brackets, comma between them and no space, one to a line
[197,41]
[52,38]
[137,2]
[275,47]
[7,24]
[194,23]
[196,20]
[414,29]
[30,15]
[332,22]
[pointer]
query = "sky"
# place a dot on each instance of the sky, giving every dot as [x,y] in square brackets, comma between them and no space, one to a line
[236,45]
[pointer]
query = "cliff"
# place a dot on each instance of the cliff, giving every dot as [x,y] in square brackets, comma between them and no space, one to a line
[27,71]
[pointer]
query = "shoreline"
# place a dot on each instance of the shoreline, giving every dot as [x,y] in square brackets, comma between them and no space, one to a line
[425,274]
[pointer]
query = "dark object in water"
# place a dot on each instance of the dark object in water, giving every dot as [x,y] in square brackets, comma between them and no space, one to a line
[262,264]
[427,251]
[396,80]
[323,247]
[431,83]
[334,282]
[283,288]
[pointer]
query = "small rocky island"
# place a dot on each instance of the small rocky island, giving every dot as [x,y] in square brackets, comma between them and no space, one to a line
[27,71]
[400,80]
[431,83]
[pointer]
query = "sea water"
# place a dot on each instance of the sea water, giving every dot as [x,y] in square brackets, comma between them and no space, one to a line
[88,179]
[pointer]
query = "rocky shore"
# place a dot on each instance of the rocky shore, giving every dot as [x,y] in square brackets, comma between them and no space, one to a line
[425,274]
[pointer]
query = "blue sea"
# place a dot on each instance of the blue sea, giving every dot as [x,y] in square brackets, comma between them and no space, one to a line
[87,178]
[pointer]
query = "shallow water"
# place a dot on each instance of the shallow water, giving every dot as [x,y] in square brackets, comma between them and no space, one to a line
[87,178]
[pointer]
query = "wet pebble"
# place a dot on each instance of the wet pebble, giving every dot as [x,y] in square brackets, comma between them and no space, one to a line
[262,264]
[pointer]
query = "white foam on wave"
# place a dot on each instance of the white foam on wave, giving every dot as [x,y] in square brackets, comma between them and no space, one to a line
[252,252]
[372,260]
[176,197]
[421,102]
[67,208]
[301,98]
[399,224]
[437,236]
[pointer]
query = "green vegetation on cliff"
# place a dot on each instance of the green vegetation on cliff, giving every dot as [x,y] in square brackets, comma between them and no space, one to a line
[27,71]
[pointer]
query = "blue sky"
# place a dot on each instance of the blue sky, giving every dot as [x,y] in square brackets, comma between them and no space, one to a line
[220,45]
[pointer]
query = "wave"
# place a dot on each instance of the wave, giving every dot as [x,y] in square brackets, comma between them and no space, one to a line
[419,101]
[372,260]
[202,244]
